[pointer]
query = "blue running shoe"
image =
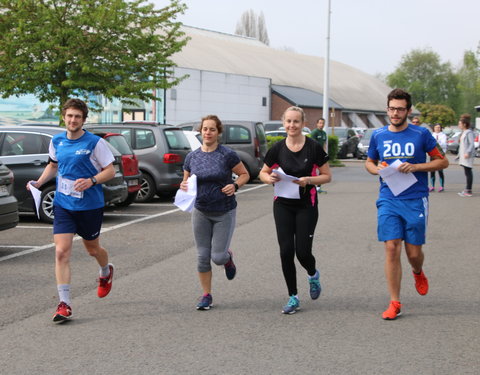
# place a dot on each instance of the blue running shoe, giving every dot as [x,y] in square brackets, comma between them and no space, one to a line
[230,269]
[205,302]
[315,287]
[292,306]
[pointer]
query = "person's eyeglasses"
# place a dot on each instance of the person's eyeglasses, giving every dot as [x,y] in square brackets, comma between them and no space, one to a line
[398,109]
[415,121]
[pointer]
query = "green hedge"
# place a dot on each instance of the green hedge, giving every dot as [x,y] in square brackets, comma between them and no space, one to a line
[332,147]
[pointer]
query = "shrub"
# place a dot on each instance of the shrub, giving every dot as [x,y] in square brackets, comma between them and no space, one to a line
[332,147]
[271,140]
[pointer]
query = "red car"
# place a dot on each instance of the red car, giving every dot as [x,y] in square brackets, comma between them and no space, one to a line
[131,172]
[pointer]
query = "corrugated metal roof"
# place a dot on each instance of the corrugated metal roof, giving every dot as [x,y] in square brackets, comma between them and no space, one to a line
[213,51]
[303,97]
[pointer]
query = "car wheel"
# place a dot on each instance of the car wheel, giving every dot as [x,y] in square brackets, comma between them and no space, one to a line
[147,190]
[127,202]
[46,204]
[249,173]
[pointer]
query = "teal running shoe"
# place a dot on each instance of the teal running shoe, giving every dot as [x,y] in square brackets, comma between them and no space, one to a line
[292,306]
[315,287]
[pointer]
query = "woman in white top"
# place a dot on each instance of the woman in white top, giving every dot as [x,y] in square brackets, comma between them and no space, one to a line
[441,138]
[466,152]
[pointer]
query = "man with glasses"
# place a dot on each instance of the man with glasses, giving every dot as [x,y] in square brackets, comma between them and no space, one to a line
[416,121]
[403,216]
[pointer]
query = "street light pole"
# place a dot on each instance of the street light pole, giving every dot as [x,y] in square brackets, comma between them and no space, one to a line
[326,72]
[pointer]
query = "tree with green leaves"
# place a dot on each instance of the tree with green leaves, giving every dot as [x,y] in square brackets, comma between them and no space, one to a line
[422,74]
[115,49]
[436,114]
[469,82]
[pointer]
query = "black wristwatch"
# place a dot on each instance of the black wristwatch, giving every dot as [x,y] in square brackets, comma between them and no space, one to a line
[94,180]
[236,186]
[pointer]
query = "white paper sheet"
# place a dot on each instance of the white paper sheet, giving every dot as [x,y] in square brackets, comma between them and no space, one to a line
[185,200]
[36,194]
[286,188]
[397,181]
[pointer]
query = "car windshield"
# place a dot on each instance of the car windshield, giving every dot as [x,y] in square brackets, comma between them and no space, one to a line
[260,131]
[176,139]
[339,132]
[120,143]
[270,126]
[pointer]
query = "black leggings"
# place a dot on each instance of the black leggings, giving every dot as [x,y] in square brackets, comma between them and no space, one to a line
[469,176]
[442,178]
[295,227]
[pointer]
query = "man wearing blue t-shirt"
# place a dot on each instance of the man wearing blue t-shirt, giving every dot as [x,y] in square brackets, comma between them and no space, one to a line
[403,217]
[81,161]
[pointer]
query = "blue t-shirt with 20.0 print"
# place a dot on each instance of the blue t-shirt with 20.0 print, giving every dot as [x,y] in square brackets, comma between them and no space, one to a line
[409,145]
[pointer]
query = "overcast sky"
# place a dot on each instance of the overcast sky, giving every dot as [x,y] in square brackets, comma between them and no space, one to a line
[371,35]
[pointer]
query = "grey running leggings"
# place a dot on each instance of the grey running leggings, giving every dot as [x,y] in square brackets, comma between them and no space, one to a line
[213,233]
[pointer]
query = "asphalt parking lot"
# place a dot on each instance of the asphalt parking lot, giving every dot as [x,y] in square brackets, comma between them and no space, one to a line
[149,323]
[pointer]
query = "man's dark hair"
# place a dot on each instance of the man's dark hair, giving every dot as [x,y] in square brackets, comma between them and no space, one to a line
[77,104]
[400,94]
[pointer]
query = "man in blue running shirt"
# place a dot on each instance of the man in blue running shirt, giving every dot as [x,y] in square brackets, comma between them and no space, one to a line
[81,162]
[403,217]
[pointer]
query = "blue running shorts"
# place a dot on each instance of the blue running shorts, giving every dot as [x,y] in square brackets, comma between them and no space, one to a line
[402,218]
[87,224]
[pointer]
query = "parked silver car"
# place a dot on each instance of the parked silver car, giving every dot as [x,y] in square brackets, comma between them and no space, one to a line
[247,138]
[160,149]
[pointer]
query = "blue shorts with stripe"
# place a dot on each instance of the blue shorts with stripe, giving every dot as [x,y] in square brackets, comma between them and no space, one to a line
[87,224]
[404,219]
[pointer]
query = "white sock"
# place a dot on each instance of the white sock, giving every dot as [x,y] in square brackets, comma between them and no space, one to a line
[64,293]
[105,271]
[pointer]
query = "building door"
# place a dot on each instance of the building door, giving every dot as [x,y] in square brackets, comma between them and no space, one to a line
[134,115]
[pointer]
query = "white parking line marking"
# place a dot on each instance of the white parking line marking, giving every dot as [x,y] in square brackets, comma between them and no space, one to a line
[140,215]
[17,246]
[139,220]
[33,227]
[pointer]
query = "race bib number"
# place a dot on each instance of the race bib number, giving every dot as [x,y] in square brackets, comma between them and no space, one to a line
[65,186]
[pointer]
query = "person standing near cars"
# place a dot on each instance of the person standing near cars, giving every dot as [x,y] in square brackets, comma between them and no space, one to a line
[441,139]
[466,152]
[403,217]
[214,213]
[81,161]
[320,135]
[296,219]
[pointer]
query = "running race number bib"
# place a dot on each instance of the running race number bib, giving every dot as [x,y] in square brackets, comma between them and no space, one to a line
[65,186]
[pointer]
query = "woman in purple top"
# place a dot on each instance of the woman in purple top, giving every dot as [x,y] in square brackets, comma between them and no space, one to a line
[213,217]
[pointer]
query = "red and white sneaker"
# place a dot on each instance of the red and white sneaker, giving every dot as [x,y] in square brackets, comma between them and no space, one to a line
[105,283]
[393,311]
[63,313]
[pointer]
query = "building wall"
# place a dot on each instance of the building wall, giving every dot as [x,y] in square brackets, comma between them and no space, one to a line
[229,96]
[279,105]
